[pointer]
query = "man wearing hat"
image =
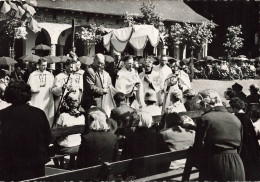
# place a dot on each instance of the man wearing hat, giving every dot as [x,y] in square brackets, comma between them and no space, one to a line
[65,80]
[150,99]
[41,82]
[238,89]
[254,97]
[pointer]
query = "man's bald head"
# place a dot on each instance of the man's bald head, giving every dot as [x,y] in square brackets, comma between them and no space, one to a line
[100,57]
[99,61]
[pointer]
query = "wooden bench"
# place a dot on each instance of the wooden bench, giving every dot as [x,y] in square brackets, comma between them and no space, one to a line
[60,132]
[110,171]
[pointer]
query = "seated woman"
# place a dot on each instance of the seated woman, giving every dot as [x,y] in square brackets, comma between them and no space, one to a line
[249,151]
[70,116]
[143,142]
[98,144]
[177,105]
[177,136]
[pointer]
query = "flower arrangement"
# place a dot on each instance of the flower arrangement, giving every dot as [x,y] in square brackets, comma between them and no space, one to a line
[20,33]
[90,35]
[129,18]
[233,42]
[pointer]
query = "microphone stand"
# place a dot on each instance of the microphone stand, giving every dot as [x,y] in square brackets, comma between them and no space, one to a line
[62,95]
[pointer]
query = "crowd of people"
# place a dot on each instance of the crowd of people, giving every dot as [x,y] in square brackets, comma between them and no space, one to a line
[222,69]
[118,119]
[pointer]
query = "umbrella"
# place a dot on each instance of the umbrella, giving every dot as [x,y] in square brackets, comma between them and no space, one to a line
[200,61]
[87,60]
[65,58]
[30,58]
[6,61]
[29,8]
[22,57]
[109,59]
[187,60]
[242,56]
[209,58]
[52,59]
[41,47]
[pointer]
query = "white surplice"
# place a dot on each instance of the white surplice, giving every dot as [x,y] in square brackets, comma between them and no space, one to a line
[164,72]
[79,80]
[59,81]
[182,79]
[126,82]
[42,98]
[154,78]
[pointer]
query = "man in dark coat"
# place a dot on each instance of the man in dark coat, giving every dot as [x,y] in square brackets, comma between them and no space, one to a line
[93,90]
[24,136]
[238,89]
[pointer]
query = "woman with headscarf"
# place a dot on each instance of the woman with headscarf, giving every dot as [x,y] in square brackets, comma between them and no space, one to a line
[218,141]
[250,147]
[98,144]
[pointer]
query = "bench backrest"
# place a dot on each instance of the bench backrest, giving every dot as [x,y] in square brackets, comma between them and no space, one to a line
[95,172]
[57,132]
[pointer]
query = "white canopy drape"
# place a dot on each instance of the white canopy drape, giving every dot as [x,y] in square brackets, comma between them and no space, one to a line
[137,36]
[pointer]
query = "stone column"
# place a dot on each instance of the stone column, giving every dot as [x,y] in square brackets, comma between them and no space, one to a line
[184,52]
[206,50]
[61,49]
[53,49]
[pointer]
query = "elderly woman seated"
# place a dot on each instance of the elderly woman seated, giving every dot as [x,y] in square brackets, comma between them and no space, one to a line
[177,105]
[143,142]
[178,136]
[98,144]
[70,116]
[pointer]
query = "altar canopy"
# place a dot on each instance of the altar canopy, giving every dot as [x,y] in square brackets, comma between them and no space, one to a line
[137,36]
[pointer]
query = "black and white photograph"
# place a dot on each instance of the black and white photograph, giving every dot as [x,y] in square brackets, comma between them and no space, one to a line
[129,90]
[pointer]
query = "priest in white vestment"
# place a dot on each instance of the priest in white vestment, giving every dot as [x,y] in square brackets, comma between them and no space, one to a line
[164,71]
[129,82]
[151,79]
[41,82]
[79,77]
[67,81]
[177,80]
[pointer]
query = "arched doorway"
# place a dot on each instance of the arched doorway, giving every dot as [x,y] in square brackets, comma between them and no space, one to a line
[79,44]
[42,38]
